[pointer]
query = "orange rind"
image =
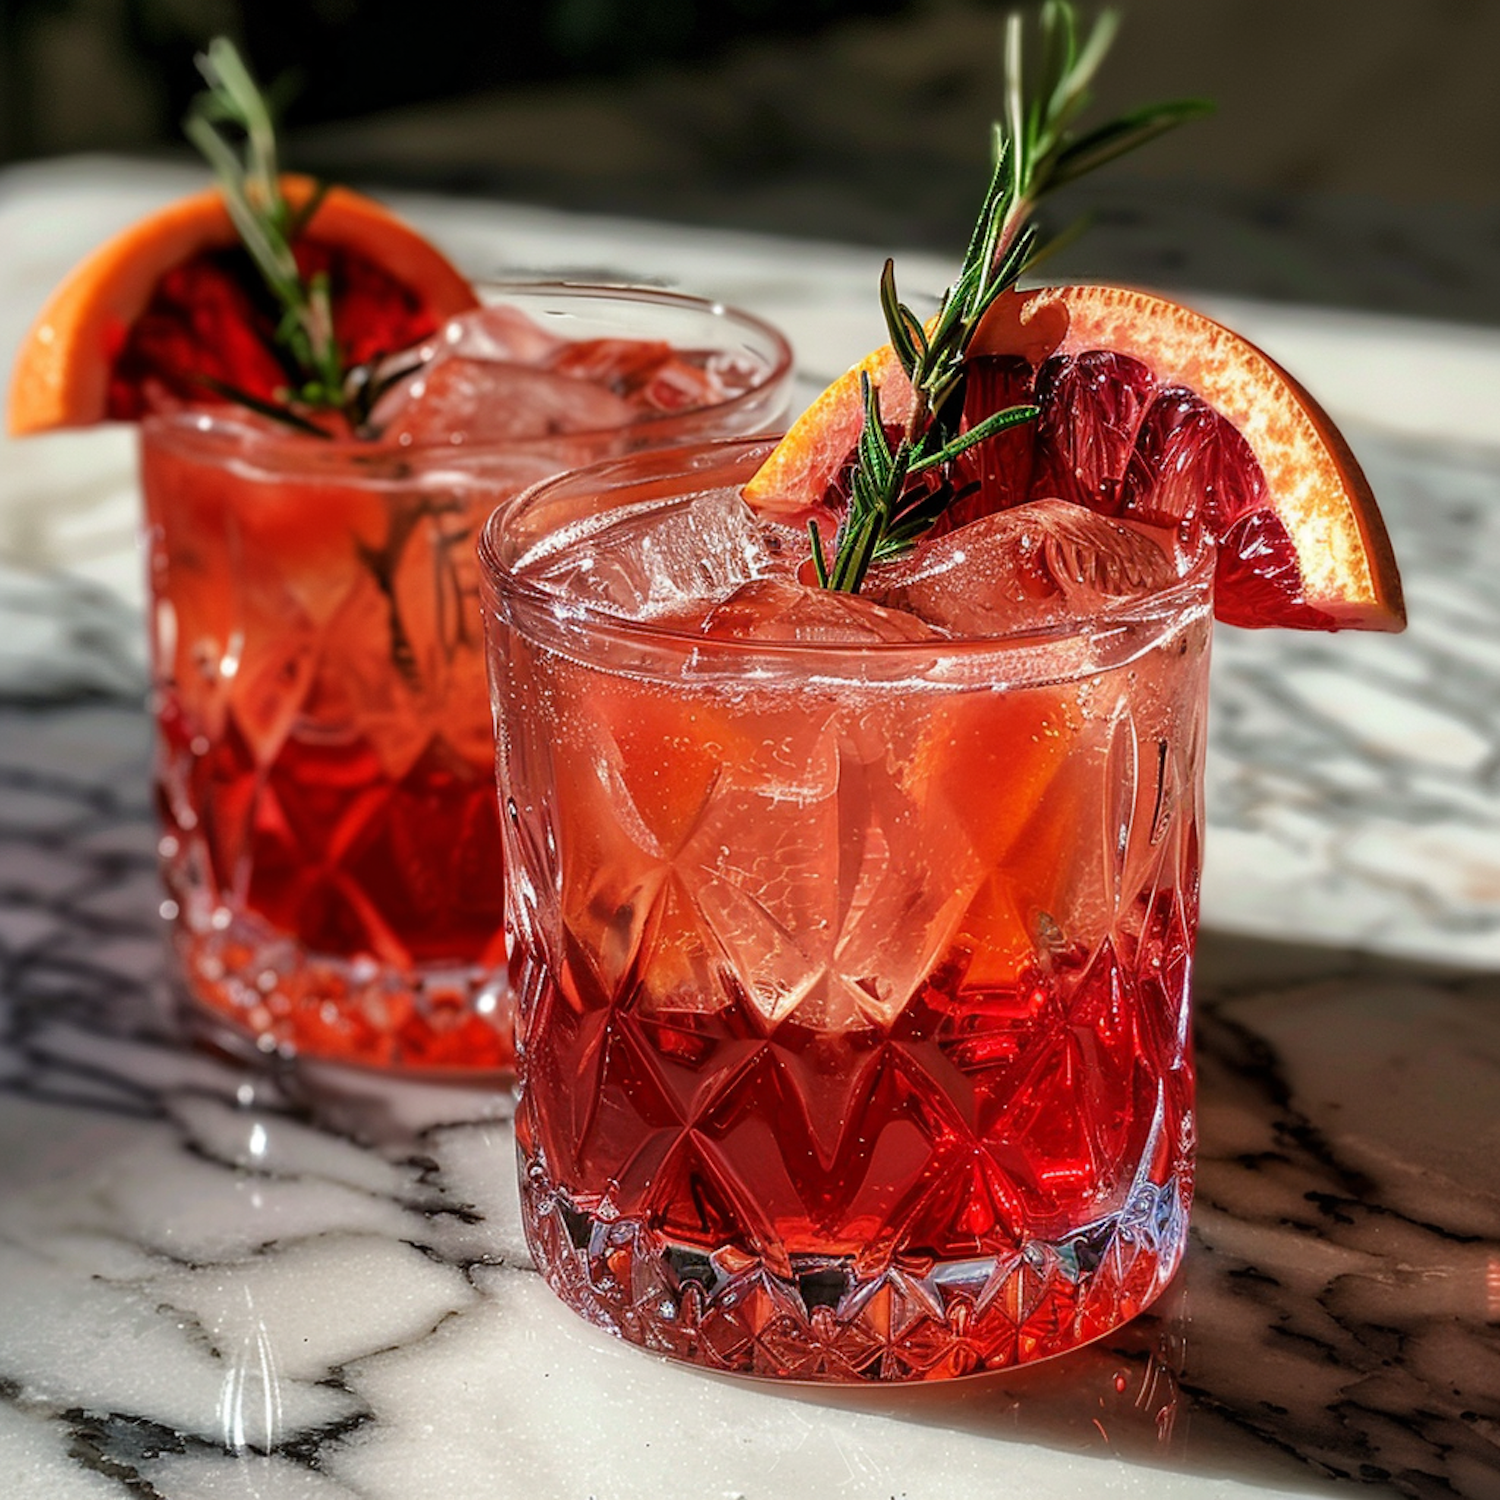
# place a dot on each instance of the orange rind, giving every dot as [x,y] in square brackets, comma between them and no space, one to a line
[1337,569]
[63,372]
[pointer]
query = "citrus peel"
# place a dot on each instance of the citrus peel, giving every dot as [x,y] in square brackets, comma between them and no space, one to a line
[62,373]
[1345,574]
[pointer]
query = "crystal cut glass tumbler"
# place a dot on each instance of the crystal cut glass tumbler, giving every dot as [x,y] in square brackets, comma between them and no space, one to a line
[854,984]
[324,765]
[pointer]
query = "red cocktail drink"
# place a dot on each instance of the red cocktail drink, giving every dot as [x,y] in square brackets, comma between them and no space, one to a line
[325,766]
[856,931]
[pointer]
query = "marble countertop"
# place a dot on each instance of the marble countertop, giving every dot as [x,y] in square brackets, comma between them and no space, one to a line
[217,1282]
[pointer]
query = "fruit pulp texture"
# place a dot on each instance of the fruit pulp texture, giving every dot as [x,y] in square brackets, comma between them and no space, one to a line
[211,316]
[1115,438]
[855,1019]
[325,760]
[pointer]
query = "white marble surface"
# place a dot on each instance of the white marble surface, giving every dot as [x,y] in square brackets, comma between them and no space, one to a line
[218,1283]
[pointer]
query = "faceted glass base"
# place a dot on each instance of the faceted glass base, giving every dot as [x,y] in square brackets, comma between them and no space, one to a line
[831,1320]
[275,997]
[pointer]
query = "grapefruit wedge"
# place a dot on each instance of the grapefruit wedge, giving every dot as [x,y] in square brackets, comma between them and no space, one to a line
[1147,410]
[173,302]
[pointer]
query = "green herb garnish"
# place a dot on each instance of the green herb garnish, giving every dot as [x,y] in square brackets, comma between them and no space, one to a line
[897,492]
[268,225]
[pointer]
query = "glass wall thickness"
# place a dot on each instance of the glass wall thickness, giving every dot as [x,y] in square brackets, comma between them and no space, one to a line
[855,980]
[325,776]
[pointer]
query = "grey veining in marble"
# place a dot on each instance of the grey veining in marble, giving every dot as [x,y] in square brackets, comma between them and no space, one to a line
[217,1281]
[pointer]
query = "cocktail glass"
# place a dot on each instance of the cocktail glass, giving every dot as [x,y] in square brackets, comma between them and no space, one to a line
[330,839]
[854,1034]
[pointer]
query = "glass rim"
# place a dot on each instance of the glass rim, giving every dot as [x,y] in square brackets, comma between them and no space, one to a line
[583,618]
[288,451]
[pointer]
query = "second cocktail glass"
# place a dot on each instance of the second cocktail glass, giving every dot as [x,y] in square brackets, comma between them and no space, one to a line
[324,762]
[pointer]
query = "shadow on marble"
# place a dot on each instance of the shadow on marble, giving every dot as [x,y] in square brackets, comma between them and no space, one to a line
[1335,1320]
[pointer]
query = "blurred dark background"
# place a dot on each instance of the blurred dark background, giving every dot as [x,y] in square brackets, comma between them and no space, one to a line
[1354,158]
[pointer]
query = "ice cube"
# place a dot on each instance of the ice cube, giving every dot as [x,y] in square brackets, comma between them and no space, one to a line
[1037,565]
[781,609]
[654,376]
[621,364]
[671,560]
[499,332]
[458,400]
[691,379]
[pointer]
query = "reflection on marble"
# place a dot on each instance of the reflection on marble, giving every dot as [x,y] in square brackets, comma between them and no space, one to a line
[217,1281]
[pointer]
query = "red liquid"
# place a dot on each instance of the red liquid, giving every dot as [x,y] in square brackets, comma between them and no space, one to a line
[413,882]
[977,1128]
[325,760]
[344,859]
[324,763]
[799,1141]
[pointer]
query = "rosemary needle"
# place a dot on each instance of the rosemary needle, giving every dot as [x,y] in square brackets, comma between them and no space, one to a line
[898,490]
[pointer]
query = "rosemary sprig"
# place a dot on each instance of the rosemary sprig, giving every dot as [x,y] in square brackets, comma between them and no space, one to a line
[266,222]
[897,493]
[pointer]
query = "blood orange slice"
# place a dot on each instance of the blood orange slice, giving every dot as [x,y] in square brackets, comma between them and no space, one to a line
[173,302]
[1148,410]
